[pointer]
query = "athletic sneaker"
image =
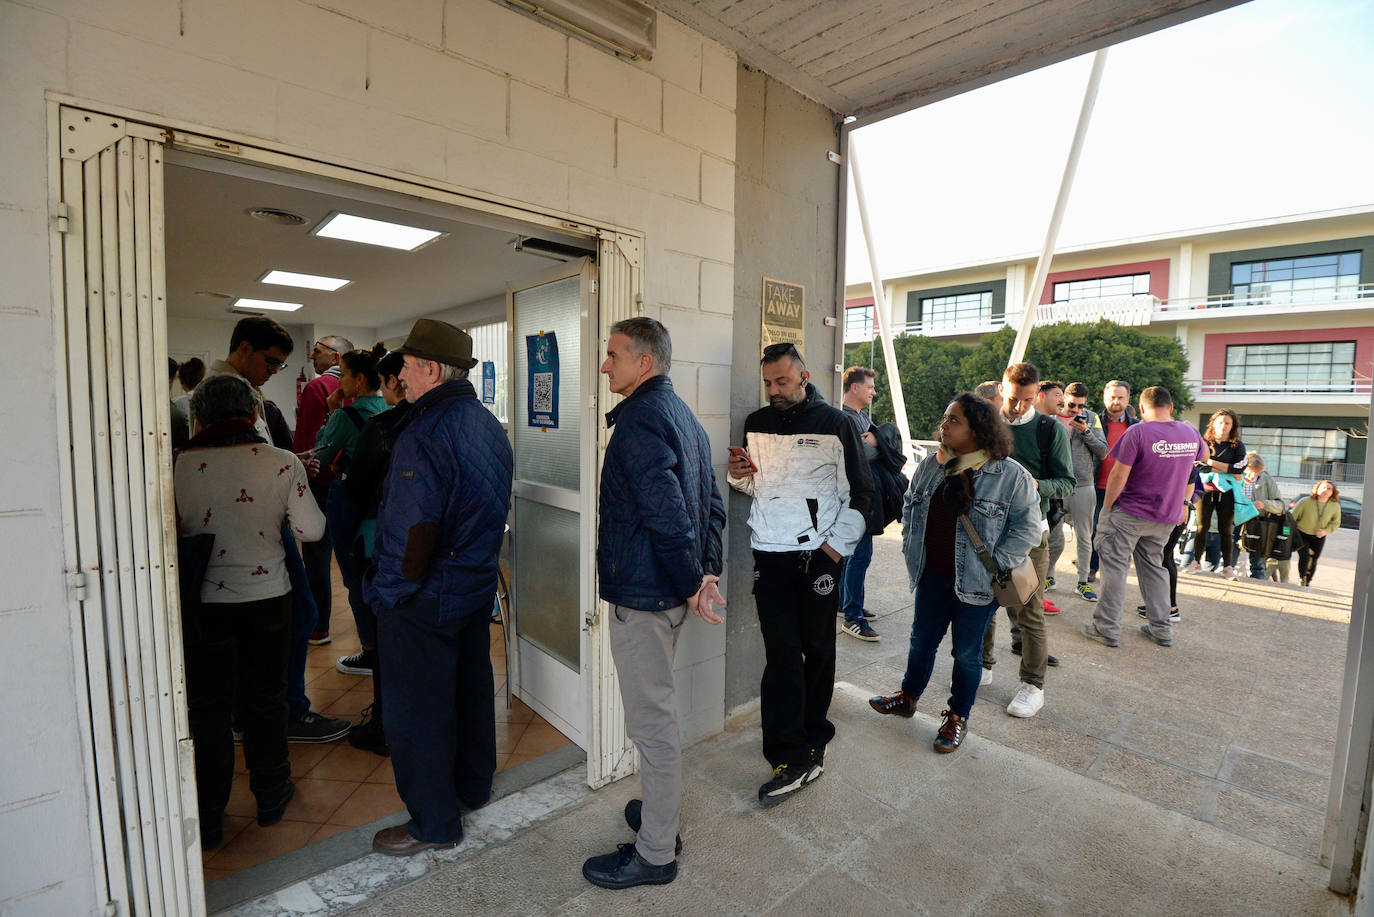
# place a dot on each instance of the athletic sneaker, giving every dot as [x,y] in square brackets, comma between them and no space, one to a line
[1028,700]
[1049,583]
[1086,592]
[1228,573]
[312,728]
[1051,608]
[360,663]
[787,779]
[320,638]
[986,679]
[860,630]
[1174,617]
[1193,567]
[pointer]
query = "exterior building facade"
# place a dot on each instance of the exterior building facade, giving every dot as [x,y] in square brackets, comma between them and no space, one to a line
[1276,317]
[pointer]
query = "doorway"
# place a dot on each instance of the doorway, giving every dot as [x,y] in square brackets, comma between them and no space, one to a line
[164,244]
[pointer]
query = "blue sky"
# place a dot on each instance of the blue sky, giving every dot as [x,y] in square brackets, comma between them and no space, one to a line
[1262,110]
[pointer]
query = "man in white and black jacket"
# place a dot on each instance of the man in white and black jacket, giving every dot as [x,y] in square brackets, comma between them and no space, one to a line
[812,492]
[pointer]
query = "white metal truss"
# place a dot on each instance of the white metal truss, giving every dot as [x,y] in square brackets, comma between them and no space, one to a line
[120,490]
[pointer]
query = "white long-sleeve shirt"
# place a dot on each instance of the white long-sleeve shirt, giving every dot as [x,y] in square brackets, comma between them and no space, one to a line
[242,494]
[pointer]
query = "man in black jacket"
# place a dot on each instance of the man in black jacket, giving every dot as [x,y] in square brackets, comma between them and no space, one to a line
[812,492]
[658,557]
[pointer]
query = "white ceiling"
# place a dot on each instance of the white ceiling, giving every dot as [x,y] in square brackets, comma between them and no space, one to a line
[876,58]
[214,247]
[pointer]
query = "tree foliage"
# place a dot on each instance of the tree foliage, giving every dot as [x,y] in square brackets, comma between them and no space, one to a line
[933,371]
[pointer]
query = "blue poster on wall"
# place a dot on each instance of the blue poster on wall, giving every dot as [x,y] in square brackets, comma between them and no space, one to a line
[542,392]
[488,382]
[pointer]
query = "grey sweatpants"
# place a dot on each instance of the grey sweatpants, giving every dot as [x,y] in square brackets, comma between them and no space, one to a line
[1120,536]
[1081,505]
[643,644]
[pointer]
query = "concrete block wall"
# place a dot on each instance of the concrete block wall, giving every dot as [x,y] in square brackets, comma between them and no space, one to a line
[465,92]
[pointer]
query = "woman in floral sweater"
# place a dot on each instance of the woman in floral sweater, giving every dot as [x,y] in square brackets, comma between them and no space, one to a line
[230,484]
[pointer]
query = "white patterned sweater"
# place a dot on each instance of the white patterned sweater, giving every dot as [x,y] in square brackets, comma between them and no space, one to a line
[243,494]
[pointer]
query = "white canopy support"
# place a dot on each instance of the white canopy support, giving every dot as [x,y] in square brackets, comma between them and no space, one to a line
[1042,266]
[894,380]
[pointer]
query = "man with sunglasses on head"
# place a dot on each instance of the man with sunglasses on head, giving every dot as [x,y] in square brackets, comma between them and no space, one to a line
[804,466]
[258,349]
[310,419]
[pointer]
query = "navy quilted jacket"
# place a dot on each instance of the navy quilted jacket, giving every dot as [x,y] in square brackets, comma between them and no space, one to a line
[661,513]
[444,505]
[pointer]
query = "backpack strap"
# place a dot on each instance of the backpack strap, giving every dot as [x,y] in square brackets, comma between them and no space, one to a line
[354,415]
[1044,438]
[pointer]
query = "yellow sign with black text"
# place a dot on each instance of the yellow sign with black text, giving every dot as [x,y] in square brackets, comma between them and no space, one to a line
[784,313]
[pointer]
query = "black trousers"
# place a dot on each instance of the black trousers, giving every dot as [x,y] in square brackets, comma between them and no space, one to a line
[439,707]
[797,594]
[1308,552]
[231,650]
[317,556]
[1170,565]
[1223,503]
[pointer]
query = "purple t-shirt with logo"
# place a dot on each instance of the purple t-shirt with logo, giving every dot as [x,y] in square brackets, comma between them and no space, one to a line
[1161,455]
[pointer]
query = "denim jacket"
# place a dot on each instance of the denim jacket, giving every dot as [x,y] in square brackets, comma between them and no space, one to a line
[1005,513]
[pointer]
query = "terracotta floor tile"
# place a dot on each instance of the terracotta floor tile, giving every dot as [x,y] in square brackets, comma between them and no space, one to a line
[384,773]
[348,705]
[519,712]
[304,757]
[323,697]
[539,739]
[233,825]
[256,845]
[241,801]
[501,762]
[327,831]
[214,875]
[369,802]
[240,766]
[316,800]
[508,736]
[345,763]
[334,680]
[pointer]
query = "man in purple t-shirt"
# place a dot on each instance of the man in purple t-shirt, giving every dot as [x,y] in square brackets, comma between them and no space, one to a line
[1147,494]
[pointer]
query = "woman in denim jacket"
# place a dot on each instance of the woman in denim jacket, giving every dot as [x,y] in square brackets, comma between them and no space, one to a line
[971,473]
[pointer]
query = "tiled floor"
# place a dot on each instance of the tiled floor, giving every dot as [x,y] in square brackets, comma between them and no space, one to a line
[338,786]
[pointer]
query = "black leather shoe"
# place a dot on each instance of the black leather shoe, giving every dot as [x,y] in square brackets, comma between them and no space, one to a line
[634,817]
[625,869]
[1049,659]
[951,734]
[273,814]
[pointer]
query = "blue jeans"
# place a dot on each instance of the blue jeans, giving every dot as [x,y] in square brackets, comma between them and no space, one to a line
[342,516]
[302,623]
[852,580]
[938,609]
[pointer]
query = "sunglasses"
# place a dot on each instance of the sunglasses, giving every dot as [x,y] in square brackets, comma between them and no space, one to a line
[775,352]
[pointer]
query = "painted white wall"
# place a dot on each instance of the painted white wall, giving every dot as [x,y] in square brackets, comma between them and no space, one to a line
[463,92]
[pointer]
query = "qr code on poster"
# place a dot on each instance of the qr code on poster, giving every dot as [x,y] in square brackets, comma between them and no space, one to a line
[543,393]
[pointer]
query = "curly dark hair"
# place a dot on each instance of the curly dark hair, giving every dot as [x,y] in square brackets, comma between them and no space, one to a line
[990,432]
[1234,437]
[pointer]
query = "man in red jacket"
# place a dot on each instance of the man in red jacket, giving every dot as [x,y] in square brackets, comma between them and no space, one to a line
[310,417]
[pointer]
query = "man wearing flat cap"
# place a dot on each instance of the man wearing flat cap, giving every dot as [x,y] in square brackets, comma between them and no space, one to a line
[439,530]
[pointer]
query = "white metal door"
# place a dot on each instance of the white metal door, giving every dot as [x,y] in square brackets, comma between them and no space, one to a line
[553,524]
[610,753]
[122,544]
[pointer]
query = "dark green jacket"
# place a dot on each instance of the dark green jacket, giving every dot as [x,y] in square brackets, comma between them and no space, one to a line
[1057,481]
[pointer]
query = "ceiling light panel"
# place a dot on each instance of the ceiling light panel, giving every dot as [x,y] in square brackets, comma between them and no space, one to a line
[270,305]
[352,228]
[308,281]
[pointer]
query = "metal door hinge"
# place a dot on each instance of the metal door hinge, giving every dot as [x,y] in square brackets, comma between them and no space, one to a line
[834,157]
[63,216]
[82,584]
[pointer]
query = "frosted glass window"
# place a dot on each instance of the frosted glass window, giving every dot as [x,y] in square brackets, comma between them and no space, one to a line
[547,558]
[489,345]
[551,456]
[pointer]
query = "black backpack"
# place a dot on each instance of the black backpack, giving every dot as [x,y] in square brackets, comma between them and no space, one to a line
[1044,438]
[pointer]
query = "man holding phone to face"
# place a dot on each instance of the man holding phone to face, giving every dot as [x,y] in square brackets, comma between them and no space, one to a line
[1087,446]
[812,491]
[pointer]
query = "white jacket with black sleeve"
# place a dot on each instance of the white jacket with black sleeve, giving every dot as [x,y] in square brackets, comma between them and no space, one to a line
[813,486]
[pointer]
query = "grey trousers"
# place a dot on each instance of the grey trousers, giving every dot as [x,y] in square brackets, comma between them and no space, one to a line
[1081,505]
[1121,536]
[643,644]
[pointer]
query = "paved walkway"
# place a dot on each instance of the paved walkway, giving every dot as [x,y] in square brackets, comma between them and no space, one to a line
[1187,780]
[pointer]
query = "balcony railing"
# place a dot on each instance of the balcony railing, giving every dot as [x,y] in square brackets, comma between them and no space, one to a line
[1332,294]
[1322,385]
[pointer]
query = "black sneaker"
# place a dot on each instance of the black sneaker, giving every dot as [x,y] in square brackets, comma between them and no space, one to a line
[368,734]
[1050,660]
[1145,629]
[273,814]
[312,728]
[1174,616]
[634,817]
[626,868]
[360,663]
[787,779]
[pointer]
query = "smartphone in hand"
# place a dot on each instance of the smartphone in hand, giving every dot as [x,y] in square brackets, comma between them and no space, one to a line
[741,452]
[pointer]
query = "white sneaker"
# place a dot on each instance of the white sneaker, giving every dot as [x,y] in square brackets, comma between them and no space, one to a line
[986,679]
[1228,572]
[1193,567]
[1027,702]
